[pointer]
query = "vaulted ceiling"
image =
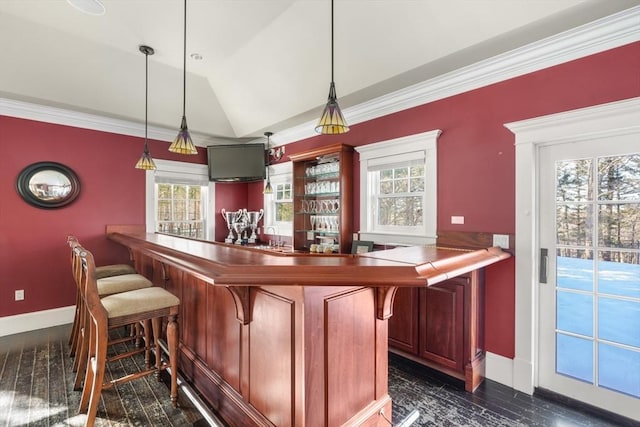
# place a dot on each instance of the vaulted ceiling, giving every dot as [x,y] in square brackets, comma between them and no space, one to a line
[265,64]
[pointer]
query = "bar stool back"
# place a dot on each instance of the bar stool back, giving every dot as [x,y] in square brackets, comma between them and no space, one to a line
[141,305]
[101,272]
[107,285]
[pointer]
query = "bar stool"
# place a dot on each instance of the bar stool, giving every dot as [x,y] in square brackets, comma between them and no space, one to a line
[148,305]
[106,286]
[101,272]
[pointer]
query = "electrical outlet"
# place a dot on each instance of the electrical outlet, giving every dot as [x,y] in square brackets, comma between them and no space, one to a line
[501,240]
[19,294]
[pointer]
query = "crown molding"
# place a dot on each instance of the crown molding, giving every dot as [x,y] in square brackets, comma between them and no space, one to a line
[607,33]
[61,116]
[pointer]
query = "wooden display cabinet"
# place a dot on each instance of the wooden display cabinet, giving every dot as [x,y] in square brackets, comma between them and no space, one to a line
[442,327]
[323,199]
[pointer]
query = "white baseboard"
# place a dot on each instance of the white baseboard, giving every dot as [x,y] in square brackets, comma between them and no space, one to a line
[523,375]
[10,325]
[499,368]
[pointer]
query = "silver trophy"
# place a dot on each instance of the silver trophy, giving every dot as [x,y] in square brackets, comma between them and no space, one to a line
[253,218]
[240,224]
[230,218]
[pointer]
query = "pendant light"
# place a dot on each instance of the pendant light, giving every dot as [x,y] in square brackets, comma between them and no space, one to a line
[183,143]
[146,162]
[267,188]
[332,121]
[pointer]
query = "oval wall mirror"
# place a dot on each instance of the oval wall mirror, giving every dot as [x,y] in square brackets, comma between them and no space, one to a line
[48,185]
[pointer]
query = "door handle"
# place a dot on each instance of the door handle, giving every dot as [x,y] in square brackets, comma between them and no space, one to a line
[544,261]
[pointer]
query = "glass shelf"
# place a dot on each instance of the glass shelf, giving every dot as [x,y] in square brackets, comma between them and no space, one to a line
[318,213]
[320,177]
[319,234]
[316,195]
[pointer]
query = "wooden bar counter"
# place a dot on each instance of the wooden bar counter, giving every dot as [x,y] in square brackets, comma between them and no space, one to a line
[283,339]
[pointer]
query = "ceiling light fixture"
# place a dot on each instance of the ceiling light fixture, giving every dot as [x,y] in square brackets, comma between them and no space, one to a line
[183,143]
[146,162]
[267,188]
[332,121]
[90,7]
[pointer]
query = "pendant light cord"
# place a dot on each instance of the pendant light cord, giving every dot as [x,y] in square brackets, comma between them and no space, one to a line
[146,99]
[184,64]
[146,94]
[331,41]
[146,162]
[268,158]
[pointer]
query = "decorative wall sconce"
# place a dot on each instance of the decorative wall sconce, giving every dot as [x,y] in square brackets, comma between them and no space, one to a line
[276,153]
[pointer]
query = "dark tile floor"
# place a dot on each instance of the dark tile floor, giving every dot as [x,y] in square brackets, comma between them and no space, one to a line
[442,401]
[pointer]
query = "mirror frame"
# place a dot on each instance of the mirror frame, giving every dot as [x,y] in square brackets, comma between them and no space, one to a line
[24,178]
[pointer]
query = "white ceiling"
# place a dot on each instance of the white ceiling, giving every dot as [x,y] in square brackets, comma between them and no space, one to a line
[266,63]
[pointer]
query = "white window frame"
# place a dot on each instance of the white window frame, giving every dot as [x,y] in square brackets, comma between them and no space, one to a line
[279,173]
[182,172]
[391,152]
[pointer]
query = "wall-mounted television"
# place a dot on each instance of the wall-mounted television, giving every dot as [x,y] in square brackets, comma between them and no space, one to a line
[236,162]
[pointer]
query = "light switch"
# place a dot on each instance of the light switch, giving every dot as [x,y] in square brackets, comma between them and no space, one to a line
[457,220]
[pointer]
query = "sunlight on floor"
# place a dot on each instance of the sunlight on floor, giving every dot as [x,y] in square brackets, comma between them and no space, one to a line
[21,408]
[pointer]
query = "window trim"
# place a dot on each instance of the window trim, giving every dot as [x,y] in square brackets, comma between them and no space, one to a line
[278,173]
[390,151]
[192,172]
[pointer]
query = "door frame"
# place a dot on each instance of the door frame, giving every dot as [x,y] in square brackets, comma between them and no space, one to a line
[615,118]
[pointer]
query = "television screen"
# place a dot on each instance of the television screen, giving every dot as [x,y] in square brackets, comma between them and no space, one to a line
[236,163]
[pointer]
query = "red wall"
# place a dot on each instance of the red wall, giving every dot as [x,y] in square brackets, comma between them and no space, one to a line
[33,251]
[476,174]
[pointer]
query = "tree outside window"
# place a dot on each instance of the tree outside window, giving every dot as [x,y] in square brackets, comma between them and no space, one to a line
[180,210]
[400,196]
[283,202]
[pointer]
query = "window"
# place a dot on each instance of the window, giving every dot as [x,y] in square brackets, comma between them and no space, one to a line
[283,201]
[398,197]
[278,207]
[178,196]
[398,190]
[180,210]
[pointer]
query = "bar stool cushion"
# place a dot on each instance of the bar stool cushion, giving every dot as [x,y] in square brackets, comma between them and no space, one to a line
[123,283]
[137,301]
[114,270]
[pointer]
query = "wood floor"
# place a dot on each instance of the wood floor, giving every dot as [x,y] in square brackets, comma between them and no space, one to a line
[442,401]
[35,390]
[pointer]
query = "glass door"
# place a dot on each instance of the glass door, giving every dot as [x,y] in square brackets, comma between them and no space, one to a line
[589,306]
